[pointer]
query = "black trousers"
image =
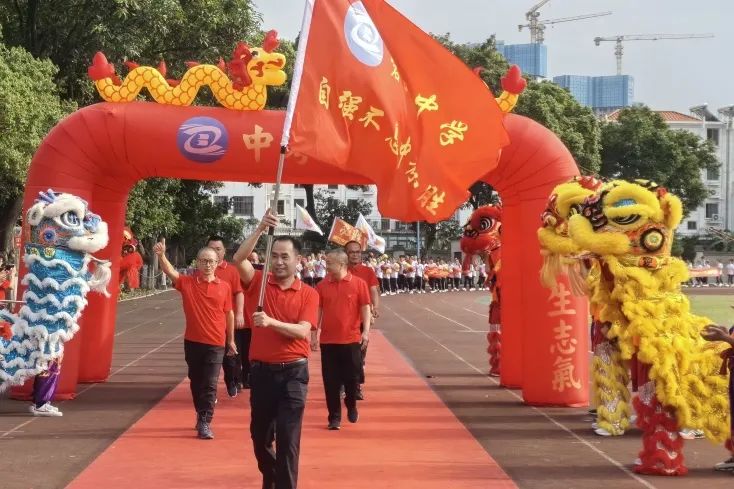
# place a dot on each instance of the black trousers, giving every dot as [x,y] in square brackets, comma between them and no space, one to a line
[204,362]
[393,284]
[237,367]
[482,278]
[277,401]
[419,283]
[341,365]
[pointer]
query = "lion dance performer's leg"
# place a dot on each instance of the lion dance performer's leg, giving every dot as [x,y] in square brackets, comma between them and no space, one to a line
[494,336]
[44,388]
[610,378]
[662,445]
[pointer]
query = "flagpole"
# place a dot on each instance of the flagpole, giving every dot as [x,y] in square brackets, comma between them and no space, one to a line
[293,98]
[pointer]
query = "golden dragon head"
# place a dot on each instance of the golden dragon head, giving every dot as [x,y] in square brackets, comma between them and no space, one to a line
[257,66]
[633,221]
[557,247]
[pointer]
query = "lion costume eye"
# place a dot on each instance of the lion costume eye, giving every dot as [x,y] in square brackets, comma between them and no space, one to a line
[626,220]
[70,219]
[485,223]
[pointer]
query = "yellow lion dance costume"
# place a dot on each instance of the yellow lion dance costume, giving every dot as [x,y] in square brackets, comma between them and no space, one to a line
[628,227]
[561,255]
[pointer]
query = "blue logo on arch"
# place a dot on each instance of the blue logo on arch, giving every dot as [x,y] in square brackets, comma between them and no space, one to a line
[202,139]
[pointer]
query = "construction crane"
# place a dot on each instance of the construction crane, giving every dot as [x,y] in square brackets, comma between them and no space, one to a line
[537,26]
[618,49]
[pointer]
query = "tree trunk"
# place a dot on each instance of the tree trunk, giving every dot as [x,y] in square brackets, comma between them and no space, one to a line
[430,236]
[311,202]
[9,214]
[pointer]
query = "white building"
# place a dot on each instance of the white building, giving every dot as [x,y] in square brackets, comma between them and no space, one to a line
[248,202]
[718,210]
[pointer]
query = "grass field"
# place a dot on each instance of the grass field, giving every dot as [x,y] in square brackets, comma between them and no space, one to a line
[716,307]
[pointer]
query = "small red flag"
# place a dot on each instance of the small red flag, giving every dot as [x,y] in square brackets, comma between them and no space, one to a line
[381,98]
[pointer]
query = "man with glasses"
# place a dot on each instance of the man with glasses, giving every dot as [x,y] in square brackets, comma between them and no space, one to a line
[207,305]
[236,367]
[358,269]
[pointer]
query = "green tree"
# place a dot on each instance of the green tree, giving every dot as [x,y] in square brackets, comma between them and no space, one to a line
[69,32]
[640,145]
[29,107]
[445,233]
[145,31]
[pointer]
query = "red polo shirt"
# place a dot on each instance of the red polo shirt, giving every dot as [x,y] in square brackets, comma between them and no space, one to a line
[205,305]
[365,273]
[297,303]
[4,286]
[341,302]
[227,272]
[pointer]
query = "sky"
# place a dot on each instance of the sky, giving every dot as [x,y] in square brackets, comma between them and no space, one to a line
[669,74]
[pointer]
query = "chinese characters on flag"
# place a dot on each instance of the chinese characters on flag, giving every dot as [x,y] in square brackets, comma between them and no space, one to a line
[382,99]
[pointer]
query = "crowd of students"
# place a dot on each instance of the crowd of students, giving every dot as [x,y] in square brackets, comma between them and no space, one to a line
[407,274]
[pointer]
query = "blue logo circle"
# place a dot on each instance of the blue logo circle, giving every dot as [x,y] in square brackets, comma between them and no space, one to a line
[362,36]
[202,139]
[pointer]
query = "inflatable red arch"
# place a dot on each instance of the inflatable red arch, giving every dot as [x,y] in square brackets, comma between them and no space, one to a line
[101,151]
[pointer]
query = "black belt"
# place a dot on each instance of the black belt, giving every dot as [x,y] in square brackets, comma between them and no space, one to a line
[279,366]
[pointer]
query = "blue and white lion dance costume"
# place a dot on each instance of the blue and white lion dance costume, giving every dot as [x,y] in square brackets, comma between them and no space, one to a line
[61,234]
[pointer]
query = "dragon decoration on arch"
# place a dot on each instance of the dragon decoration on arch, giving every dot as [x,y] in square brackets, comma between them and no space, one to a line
[615,238]
[61,233]
[482,238]
[238,84]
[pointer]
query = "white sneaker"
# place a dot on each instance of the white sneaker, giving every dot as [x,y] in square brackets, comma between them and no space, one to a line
[638,461]
[602,432]
[46,410]
[691,434]
[725,466]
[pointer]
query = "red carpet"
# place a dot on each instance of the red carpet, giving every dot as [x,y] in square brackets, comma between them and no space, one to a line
[406,438]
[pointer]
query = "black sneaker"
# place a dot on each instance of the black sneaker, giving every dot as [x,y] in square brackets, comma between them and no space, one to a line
[360,394]
[352,415]
[232,391]
[204,432]
[334,425]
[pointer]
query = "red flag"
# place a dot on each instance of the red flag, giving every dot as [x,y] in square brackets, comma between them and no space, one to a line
[383,99]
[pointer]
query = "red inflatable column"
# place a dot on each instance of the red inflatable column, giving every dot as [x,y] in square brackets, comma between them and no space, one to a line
[555,332]
[98,320]
[511,361]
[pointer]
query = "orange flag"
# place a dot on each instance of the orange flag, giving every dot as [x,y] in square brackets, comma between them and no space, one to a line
[379,97]
[342,233]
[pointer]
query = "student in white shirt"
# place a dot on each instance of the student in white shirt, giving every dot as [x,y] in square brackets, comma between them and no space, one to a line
[409,271]
[482,275]
[319,268]
[420,270]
